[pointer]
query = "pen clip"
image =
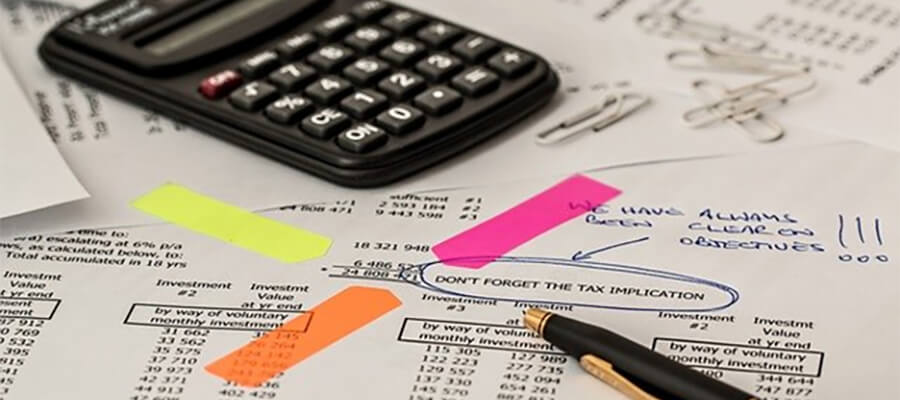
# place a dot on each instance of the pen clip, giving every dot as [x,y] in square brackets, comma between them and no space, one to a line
[604,371]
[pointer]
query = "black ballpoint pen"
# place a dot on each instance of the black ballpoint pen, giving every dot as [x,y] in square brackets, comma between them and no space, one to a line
[636,371]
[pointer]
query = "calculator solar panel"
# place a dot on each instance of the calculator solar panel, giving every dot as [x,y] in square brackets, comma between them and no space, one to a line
[361,93]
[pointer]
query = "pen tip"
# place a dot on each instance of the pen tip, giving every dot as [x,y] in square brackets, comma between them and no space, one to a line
[534,319]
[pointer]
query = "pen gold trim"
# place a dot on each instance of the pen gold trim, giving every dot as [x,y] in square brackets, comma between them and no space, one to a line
[536,320]
[604,371]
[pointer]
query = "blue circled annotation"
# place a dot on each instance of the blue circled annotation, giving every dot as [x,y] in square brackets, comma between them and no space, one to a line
[558,283]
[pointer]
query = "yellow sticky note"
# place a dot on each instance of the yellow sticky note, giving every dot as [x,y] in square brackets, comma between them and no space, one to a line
[231,224]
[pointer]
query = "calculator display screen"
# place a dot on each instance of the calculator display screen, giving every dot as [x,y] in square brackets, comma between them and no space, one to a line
[206,25]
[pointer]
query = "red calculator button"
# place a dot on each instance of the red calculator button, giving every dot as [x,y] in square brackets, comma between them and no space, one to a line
[220,84]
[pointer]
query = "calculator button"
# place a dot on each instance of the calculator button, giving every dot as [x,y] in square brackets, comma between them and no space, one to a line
[366,71]
[400,119]
[476,81]
[370,9]
[438,67]
[259,65]
[438,100]
[331,57]
[439,34]
[364,104]
[253,96]
[292,77]
[220,84]
[402,21]
[403,52]
[289,109]
[368,38]
[511,63]
[474,48]
[335,26]
[328,90]
[296,46]
[362,138]
[325,123]
[402,85]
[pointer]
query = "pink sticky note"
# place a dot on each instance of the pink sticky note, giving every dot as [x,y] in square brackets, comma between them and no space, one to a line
[527,220]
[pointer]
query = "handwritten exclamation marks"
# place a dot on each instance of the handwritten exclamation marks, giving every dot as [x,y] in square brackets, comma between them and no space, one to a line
[859,249]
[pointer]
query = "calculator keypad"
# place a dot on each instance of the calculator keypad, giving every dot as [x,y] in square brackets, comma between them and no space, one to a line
[220,84]
[335,26]
[438,67]
[366,71]
[511,63]
[370,9]
[368,38]
[402,22]
[289,109]
[476,81]
[401,119]
[403,52]
[296,46]
[292,77]
[253,96]
[372,77]
[330,58]
[439,34]
[438,100]
[328,90]
[364,104]
[402,85]
[362,138]
[259,64]
[325,123]
[474,48]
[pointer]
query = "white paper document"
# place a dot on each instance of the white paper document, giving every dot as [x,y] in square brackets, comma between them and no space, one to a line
[122,152]
[853,49]
[32,173]
[774,273]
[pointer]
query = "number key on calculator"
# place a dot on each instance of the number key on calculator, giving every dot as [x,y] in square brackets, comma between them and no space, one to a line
[361,93]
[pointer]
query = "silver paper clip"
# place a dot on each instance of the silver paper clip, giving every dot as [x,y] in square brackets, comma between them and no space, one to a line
[614,108]
[753,123]
[708,58]
[742,101]
[672,24]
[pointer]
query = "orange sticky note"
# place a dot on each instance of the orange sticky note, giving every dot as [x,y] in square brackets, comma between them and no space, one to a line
[330,321]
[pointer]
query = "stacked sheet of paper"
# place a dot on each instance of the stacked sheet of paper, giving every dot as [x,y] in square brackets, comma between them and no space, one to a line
[32,173]
[200,270]
[766,275]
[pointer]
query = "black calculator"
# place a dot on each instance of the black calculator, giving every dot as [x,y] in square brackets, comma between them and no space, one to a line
[361,93]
